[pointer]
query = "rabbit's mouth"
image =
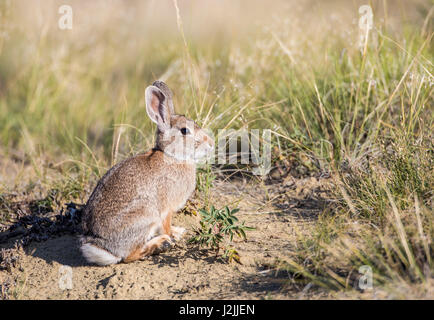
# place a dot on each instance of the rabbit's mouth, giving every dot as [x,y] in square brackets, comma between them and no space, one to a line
[203,152]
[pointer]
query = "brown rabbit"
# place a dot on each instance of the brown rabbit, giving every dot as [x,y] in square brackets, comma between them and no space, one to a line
[128,215]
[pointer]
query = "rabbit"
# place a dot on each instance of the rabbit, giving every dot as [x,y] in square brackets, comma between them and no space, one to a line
[128,215]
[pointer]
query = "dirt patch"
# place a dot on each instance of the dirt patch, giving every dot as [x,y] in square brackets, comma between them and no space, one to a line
[185,271]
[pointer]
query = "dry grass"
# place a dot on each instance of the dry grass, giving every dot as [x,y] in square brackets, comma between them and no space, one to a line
[71,105]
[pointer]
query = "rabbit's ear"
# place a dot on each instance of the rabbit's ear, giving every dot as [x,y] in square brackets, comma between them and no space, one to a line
[167,92]
[157,107]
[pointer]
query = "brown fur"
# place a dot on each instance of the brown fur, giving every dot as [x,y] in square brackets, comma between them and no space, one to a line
[150,248]
[134,255]
[167,223]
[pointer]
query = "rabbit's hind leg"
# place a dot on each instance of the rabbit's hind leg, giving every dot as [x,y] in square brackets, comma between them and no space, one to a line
[155,244]
[150,247]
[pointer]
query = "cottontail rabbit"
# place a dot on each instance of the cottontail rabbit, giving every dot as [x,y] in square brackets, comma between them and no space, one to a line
[128,216]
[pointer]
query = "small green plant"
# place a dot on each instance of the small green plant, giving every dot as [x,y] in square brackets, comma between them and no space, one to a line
[216,226]
[205,178]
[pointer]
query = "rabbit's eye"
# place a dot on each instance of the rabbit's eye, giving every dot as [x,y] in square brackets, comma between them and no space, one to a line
[185,131]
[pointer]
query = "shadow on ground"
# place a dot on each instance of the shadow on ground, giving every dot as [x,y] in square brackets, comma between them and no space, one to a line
[308,208]
[265,282]
[63,250]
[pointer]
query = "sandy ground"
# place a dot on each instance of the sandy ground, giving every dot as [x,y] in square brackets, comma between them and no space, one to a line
[185,271]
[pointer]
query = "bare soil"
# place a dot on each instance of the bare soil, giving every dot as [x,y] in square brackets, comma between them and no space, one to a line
[185,271]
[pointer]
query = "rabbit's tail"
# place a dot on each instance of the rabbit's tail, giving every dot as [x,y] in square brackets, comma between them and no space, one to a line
[94,254]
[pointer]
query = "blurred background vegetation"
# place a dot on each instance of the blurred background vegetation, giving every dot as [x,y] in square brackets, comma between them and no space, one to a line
[292,66]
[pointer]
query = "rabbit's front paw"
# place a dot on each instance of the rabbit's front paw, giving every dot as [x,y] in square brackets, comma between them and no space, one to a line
[177,233]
